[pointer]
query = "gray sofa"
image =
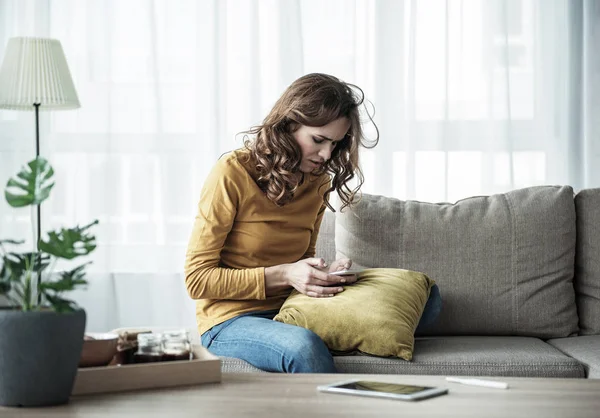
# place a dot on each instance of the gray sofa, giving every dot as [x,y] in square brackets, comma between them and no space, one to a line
[519,275]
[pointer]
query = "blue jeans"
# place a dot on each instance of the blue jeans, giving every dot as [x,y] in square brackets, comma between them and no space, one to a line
[269,345]
[432,309]
[277,347]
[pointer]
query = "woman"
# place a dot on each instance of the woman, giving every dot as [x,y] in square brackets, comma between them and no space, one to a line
[257,225]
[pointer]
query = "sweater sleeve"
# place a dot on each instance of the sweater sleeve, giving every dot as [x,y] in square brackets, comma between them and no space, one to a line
[205,278]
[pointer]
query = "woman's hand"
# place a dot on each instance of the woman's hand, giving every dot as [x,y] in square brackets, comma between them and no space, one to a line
[307,276]
[340,264]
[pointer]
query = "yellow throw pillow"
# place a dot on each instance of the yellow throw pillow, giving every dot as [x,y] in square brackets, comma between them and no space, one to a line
[377,315]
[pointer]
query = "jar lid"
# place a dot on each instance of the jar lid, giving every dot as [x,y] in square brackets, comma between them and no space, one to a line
[149,338]
[176,334]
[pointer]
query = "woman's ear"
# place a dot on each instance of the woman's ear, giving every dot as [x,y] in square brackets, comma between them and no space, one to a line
[293,126]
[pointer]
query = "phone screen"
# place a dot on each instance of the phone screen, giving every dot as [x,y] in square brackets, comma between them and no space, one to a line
[381,387]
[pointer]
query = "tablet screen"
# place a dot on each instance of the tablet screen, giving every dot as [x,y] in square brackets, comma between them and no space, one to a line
[383,387]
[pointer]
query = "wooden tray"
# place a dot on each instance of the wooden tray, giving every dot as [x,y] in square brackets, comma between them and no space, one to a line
[205,367]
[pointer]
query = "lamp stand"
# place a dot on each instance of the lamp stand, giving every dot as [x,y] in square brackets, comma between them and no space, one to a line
[39,206]
[37,154]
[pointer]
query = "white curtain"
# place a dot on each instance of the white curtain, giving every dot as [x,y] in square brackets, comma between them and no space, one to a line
[471,97]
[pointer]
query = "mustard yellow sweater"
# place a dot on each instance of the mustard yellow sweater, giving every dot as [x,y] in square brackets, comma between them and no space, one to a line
[238,232]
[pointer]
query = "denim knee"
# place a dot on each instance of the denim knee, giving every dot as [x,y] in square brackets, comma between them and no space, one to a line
[305,352]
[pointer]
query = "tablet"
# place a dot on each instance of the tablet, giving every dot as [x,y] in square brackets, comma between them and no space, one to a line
[383,390]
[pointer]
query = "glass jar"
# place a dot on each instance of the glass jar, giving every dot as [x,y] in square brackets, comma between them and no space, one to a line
[176,346]
[150,348]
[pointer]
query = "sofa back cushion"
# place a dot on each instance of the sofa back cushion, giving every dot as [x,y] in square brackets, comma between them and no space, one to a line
[326,238]
[504,263]
[587,261]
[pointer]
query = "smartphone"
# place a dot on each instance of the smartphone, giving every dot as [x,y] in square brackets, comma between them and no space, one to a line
[383,390]
[347,272]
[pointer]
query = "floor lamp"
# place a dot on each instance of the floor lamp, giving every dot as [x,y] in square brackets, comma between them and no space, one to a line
[35,76]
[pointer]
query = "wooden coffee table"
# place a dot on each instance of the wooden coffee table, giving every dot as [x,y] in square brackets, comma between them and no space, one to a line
[277,395]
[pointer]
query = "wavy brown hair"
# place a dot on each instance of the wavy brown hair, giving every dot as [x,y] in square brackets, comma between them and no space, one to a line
[312,100]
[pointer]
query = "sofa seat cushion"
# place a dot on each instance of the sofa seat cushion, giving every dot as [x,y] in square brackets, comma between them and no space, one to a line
[460,356]
[473,356]
[236,365]
[504,263]
[585,349]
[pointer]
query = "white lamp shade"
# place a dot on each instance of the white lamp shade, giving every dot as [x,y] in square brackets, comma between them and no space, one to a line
[35,70]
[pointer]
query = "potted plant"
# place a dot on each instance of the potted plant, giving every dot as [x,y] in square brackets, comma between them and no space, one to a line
[41,332]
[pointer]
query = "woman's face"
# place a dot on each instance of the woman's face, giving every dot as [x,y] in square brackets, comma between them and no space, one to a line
[318,142]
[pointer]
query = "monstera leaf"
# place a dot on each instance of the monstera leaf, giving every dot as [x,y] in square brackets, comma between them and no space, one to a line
[32,185]
[70,243]
[69,280]
[60,305]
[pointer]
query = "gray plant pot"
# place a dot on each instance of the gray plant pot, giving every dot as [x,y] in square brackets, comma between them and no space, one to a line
[39,355]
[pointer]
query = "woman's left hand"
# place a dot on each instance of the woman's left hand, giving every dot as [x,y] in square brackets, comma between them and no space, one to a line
[340,264]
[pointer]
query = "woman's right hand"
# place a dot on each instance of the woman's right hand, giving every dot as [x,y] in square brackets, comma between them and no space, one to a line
[307,277]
